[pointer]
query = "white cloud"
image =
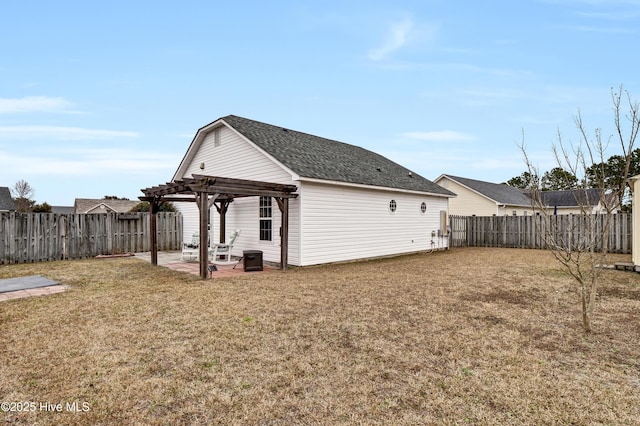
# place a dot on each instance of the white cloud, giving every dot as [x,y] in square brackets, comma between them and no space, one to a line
[439,136]
[608,30]
[87,162]
[33,104]
[61,133]
[398,36]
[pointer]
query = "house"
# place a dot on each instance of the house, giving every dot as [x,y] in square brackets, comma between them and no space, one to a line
[6,201]
[351,203]
[88,205]
[480,198]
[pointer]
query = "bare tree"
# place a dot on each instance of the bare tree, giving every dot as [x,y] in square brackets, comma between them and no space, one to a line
[22,194]
[582,247]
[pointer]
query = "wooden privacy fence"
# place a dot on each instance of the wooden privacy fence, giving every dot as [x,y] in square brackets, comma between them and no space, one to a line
[529,231]
[37,237]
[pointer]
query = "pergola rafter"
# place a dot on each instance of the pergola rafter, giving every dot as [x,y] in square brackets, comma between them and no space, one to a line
[206,191]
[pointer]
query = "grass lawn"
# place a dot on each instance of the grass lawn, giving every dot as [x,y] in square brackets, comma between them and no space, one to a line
[470,336]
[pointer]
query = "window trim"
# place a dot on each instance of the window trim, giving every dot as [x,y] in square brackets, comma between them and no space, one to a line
[265,216]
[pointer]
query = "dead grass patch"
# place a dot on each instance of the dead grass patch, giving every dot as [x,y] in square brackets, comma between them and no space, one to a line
[470,336]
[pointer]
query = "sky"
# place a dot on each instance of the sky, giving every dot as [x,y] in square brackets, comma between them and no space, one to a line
[104,98]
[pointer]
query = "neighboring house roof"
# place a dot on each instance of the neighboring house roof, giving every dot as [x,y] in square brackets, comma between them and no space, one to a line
[498,192]
[575,198]
[314,157]
[6,201]
[87,205]
[63,209]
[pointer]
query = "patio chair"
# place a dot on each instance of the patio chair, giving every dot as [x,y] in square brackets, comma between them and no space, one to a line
[221,253]
[191,250]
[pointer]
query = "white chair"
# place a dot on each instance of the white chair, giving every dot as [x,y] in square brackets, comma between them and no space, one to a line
[221,253]
[191,250]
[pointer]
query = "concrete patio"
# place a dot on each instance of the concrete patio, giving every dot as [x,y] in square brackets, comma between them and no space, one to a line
[171,260]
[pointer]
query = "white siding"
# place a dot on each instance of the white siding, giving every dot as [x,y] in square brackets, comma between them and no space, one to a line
[243,214]
[344,223]
[190,219]
[235,158]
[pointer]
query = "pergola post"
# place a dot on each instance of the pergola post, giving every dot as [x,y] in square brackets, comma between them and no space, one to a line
[153,230]
[203,207]
[283,205]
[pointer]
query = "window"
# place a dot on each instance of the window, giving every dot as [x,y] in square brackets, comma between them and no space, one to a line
[515,213]
[423,207]
[266,223]
[393,206]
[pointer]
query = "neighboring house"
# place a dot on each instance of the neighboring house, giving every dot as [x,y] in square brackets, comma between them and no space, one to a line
[480,198]
[6,201]
[352,203]
[87,205]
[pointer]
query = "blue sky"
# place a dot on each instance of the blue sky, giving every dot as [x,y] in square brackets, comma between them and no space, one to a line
[103,98]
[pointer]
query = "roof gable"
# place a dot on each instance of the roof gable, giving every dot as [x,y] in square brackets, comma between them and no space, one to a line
[314,157]
[88,205]
[498,192]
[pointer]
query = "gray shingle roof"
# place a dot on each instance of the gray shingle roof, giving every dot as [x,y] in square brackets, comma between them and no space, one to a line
[498,192]
[63,209]
[6,201]
[589,197]
[319,158]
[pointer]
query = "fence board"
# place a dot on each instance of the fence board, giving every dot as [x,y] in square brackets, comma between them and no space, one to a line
[37,237]
[529,231]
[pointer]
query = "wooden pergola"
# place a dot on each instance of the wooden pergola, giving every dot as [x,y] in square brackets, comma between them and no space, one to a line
[206,191]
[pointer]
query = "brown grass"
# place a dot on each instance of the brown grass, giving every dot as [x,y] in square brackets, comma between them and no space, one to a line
[470,336]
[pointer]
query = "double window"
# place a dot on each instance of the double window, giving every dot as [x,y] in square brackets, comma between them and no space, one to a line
[266,219]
